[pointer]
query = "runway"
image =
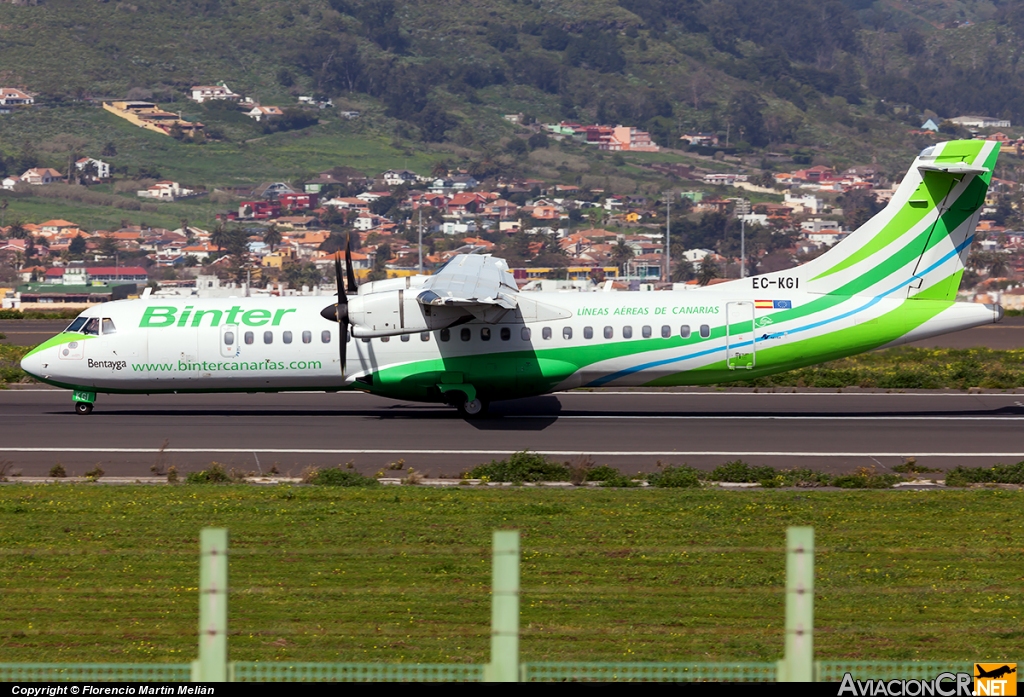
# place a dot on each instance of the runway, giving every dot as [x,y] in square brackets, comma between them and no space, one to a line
[127,435]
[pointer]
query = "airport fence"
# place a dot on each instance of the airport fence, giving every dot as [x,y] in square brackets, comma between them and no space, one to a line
[212,665]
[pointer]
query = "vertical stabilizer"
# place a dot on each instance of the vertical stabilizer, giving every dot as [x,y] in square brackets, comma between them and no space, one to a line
[916,247]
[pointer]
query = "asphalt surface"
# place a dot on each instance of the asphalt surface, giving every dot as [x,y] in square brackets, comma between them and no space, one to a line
[1008,334]
[127,435]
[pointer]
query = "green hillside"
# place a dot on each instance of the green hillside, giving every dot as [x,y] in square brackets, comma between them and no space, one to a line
[838,82]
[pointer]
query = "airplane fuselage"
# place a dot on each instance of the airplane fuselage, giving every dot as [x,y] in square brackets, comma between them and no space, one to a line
[692,337]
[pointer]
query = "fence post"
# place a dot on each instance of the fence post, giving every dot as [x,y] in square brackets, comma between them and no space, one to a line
[798,663]
[504,665]
[212,665]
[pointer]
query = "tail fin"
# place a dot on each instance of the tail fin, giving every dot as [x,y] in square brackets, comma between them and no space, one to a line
[921,239]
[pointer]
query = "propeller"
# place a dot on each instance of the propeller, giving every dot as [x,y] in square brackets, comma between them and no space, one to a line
[338,312]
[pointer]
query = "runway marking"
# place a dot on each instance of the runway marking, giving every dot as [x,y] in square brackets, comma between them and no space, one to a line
[553,453]
[711,417]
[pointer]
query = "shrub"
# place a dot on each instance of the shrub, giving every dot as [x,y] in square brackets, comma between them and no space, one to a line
[336,476]
[95,473]
[172,474]
[603,474]
[999,474]
[215,474]
[683,476]
[865,478]
[740,471]
[523,466]
[57,471]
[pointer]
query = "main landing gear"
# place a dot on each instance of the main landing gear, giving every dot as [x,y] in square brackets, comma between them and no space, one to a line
[83,401]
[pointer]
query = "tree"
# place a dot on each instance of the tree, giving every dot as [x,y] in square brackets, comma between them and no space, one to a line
[747,113]
[219,236]
[272,236]
[708,271]
[77,246]
[108,246]
[622,254]
[109,150]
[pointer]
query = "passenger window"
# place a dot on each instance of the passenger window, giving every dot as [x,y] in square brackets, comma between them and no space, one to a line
[445,334]
[385,339]
[485,333]
[627,332]
[666,331]
[92,326]
[465,334]
[108,326]
[684,331]
[405,337]
[286,337]
[566,332]
[307,337]
[646,331]
[424,336]
[545,333]
[77,324]
[268,337]
[365,339]
[588,332]
[229,338]
[249,338]
[525,333]
[506,333]
[705,331]
[325,336]
[609,333]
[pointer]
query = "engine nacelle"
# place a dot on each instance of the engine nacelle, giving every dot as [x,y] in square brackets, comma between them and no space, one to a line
[393,312]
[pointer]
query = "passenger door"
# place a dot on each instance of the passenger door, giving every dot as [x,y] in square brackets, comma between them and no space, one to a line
[739,335]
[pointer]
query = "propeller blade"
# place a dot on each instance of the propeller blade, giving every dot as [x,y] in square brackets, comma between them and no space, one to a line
[348,265]
[341,313]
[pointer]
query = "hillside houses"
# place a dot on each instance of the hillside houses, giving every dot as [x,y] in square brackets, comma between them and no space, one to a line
[204,93]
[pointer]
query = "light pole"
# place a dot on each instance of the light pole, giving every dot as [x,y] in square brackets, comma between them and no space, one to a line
[743,248]
[668,236]
[421,237]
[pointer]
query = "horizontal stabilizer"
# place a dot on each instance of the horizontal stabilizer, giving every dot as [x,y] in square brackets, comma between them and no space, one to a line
[952,168]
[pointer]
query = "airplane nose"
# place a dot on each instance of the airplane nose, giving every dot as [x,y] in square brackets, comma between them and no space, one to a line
[32,362]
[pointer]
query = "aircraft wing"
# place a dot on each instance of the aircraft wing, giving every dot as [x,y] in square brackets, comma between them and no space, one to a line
[469,280]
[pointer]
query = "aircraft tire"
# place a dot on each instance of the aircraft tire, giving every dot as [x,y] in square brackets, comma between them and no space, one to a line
[473,408]
[83,408]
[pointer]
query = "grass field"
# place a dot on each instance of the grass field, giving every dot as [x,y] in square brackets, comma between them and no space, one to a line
[97,573]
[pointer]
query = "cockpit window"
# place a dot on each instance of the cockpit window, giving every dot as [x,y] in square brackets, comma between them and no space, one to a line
[77,324]
[92,326]
[108,326]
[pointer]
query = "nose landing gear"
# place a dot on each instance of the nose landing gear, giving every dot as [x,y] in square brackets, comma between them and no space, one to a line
[83,401]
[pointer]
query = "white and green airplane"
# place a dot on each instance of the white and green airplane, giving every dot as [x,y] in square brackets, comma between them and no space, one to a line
[466,336]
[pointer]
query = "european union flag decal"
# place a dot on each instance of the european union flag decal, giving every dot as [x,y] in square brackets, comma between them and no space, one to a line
[782,304]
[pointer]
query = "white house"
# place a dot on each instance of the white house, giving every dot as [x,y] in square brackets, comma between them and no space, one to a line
[397,177]
[259,112]
[980,122]
[807,203]
[102,168]
[165,191]
[368,221]
[695,256]
[461,227]
[9,96]
[10,182]
[202,93]
[41,176]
